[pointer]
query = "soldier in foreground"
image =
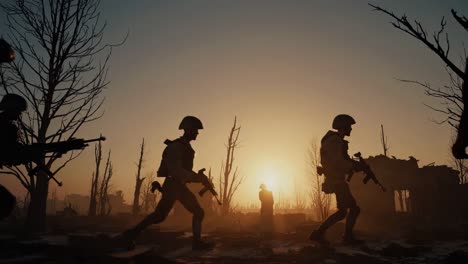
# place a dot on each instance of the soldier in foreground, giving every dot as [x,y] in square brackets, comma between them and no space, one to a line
[337,164]
[11,107]
[176,167]
[12,152]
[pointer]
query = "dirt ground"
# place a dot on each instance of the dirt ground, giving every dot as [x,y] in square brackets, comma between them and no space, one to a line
[237,239]
[174,246]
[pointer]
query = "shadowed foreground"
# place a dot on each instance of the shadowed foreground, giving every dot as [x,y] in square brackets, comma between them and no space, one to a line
[163,245]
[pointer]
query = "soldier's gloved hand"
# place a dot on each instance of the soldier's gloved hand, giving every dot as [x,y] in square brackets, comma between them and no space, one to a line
[200,176]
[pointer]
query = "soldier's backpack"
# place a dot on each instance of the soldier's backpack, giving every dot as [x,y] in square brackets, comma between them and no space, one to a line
[163,171]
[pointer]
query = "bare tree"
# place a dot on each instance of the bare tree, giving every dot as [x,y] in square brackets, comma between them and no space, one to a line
[149,198]
[139,180]
[384,141]
[53,201]
[61,71]
[300,201]
[104,204]
[229,180]
[320,201]
[454,95]
[95,180]
[110,173]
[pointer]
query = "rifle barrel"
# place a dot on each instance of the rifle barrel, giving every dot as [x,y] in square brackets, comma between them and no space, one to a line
[94,139]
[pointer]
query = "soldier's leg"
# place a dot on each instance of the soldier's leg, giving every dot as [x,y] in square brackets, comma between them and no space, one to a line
[160,212]
[353,214]
[351,219]
[189,201]
[333,219]
[342,209]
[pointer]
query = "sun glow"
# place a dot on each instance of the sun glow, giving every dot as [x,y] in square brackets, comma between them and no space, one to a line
[269,177]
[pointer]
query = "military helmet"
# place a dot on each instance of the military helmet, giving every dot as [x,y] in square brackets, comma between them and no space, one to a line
[13,102]
[262,186]
[6,52]
[191,122]
[342,121]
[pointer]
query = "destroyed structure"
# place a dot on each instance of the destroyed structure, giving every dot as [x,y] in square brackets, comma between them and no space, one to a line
[424,195]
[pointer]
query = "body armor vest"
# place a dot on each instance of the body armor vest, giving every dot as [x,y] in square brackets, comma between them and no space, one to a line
[187,154]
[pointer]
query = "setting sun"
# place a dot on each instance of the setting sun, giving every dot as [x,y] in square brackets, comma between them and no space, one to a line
[269,176]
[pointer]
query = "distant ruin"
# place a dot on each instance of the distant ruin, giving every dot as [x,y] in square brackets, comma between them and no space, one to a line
[428,195]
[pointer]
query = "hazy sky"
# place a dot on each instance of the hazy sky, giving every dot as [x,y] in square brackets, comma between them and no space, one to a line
[284,68]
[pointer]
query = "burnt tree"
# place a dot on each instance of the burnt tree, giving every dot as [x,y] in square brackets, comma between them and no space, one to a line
[104,205]
[454,95]
[138,180]
[229,180]
[61,70]
[384,141]
[149,198]
[95,180]
[320,201]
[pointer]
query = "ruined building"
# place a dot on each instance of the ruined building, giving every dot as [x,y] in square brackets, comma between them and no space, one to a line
[426,195]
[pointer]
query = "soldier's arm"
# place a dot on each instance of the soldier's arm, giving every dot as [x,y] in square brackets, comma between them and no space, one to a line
[174,164]
[340,161]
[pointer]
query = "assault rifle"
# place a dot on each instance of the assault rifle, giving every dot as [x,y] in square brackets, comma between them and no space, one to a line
[205,180]
[364,167]
[58,148]
[208,185]
[62,147]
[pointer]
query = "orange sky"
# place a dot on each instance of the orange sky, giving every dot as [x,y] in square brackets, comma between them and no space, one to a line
[284,69]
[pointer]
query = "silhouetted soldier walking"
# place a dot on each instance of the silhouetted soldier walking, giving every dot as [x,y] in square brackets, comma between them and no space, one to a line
[176,166]
[11,106]
[266,199]
[336,165]
[12,152]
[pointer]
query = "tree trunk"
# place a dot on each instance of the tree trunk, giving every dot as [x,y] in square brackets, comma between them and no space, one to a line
[92,198]
[229,180]
[139,180]
[225,209]
[95,180]
[136,196]
[36,218]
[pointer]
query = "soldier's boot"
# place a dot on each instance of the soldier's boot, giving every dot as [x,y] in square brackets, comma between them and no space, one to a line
[112,242]
[350,239]
[126,239]
[318,236]
[200,245]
